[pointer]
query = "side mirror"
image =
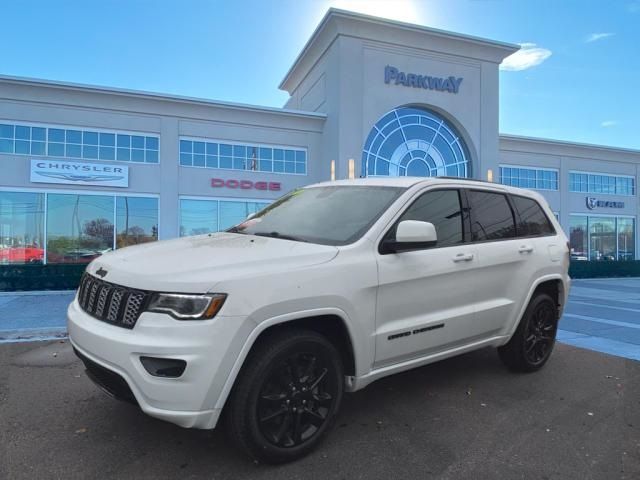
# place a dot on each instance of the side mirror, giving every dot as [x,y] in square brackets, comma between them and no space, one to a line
[411,235]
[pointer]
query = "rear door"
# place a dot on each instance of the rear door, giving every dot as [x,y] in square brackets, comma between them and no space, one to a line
[426,297]
[509,255]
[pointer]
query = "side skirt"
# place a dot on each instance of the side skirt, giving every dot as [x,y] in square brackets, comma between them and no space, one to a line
[353,384]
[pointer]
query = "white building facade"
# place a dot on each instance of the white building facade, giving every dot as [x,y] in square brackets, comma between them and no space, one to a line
[86,169]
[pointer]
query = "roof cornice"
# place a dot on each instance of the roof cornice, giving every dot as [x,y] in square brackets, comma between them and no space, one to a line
[78,87]
[338,22]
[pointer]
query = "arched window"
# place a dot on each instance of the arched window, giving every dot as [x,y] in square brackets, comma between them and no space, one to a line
[413,141]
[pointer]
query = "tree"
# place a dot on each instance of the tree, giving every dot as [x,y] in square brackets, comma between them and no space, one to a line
[99,228]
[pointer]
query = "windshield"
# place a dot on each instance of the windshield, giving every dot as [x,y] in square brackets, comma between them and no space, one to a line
[333,215]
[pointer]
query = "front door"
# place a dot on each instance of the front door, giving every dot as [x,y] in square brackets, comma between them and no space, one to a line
[426,297]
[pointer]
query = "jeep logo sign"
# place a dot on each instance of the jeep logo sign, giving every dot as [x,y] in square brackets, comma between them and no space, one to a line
[593,202]
[449,84]
[245,184]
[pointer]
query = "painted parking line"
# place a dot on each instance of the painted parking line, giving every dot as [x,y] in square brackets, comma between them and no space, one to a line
[599,344]
[603,320]
[625,309]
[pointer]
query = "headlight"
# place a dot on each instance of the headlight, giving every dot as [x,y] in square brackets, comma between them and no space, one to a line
[187,307]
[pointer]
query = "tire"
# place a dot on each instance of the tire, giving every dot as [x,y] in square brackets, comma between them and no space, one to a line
[532,343]
[286,396]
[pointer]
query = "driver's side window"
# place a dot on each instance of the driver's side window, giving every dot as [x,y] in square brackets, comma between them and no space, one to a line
[443,208]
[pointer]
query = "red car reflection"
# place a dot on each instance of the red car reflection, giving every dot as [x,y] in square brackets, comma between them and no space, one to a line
[22,254]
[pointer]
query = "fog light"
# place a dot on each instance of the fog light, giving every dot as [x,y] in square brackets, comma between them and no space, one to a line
[163,367]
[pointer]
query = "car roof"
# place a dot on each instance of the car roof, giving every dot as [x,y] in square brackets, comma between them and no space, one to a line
[407,182]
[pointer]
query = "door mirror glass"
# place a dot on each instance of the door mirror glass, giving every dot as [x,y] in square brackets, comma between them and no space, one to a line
[412,235]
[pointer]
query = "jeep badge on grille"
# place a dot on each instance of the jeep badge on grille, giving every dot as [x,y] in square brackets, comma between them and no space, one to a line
[101,272]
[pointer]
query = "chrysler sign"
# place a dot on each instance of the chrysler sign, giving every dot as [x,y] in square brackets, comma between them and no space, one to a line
[449,84]
[245,184]
[74,173]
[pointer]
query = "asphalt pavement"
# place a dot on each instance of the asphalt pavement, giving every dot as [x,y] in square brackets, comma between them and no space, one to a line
[463,418]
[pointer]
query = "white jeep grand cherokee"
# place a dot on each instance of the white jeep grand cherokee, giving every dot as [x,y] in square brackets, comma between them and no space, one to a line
[329,288]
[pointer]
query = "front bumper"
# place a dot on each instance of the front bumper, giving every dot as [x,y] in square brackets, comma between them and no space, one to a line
[208,347]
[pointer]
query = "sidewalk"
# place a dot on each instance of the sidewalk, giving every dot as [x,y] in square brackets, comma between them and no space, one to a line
[33,315]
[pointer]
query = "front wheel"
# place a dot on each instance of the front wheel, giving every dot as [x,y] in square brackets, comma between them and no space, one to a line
[286,396]
[533,341]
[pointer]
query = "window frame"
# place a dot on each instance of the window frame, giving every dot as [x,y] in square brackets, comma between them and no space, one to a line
[82,129]
[466,231]
[517,213]
[108,193]
[534,169]
[257,145]
[595,175]
[267,201]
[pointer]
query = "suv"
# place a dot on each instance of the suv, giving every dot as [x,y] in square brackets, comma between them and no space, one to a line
[328,289]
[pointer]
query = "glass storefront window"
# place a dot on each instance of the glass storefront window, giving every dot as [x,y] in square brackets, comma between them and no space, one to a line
[232,213]
[602,238]
[578,238]
[79,227]
[198,217]
[206,216]
[626,239]
[21,227]
[136,220]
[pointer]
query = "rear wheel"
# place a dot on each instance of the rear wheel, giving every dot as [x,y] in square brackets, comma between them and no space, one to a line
[533,341]
[286,396]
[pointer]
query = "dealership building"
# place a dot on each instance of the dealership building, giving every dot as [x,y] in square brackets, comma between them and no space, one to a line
[86,169]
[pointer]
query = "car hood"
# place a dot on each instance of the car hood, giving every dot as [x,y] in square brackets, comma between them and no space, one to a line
[196,264]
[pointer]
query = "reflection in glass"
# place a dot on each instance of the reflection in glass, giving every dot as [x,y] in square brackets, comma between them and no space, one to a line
[198,217]
[79,227]
[578,238]
[21,227]
[136,220]
[602,238]
[232,213]
[626,239]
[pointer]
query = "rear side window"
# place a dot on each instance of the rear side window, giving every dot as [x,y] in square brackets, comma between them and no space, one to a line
[533,220]
[443,209]
[491,216]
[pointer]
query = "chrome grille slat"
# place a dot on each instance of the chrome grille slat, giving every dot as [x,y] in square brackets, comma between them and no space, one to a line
[111,303]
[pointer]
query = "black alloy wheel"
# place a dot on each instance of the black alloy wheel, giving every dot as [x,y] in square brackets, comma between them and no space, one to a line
[532,343]
[286,396]
[541,333]
[295,400]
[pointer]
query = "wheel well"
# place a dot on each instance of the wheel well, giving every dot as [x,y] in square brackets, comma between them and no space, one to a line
[330,326]
[553,288]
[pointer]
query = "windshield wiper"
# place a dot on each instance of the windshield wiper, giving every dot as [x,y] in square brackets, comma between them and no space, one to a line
[235,230]
[280,235]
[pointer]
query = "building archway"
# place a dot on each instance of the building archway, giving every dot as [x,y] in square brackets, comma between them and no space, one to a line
[415,141]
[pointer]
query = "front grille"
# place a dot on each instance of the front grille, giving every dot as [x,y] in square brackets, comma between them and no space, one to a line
[111,303]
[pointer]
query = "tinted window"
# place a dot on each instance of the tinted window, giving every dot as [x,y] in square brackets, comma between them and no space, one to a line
[491,216]
[532,221]
[442,208]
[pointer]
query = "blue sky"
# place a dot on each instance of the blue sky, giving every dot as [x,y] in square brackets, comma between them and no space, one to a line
[579,78]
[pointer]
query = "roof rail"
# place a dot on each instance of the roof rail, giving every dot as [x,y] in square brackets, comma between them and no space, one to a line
[467,179]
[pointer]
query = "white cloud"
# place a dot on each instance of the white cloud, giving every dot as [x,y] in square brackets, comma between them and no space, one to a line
[528,56]
[608,123]
[594,37]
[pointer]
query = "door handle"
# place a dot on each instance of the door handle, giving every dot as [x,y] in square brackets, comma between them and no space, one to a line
[525,249]
[463,257]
